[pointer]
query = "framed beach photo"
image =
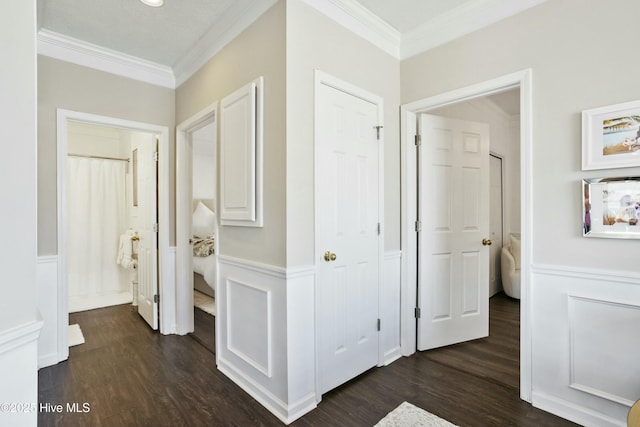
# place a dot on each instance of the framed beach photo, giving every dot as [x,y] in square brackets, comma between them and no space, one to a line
[611,207]
[611,136]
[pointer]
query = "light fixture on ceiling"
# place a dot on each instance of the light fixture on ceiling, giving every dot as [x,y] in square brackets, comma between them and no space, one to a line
[153,3]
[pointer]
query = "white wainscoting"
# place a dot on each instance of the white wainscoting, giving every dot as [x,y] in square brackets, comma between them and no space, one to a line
[19,373]
[47,303]
[266,341]
[266,330]
[585,343]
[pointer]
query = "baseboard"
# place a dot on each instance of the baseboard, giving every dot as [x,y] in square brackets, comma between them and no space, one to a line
[391,356]
[572,412]
[285,413]
[83,303]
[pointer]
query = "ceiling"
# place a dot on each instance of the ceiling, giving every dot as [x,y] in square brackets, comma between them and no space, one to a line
[180,31]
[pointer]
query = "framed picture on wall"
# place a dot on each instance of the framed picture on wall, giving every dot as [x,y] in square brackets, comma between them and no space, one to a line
[134,177]
[611,136]
[611,207]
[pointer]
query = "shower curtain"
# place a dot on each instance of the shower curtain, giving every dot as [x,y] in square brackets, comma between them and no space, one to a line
[97,215]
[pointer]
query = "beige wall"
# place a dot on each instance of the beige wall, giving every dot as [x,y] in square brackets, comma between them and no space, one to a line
[73,87]
[258,51]
[317,42]
[578,62]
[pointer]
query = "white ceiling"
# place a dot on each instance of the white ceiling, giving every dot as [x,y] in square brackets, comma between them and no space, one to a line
[180,36]
[161,35]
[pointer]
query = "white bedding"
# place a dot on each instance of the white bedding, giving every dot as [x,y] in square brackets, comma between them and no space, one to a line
[206,267]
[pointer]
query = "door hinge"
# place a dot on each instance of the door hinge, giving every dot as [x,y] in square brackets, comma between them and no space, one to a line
[418,139]
[378,131]
[156,298]
[379,228]
[417,313]
[418,226]
[155,227]
[155,156]
[378,325]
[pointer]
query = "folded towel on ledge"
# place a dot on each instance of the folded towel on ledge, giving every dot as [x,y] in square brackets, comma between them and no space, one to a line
[125,250]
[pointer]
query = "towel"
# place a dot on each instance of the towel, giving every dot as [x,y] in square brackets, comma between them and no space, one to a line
[125,252]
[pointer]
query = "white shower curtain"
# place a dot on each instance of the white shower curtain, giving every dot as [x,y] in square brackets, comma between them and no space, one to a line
[96,217]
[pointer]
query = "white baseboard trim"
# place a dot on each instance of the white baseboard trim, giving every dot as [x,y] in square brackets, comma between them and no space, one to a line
[392,355]
[92,302]
[572,412]
[285,413]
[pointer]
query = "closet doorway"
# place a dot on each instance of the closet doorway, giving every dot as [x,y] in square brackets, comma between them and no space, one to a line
[197,226]
[112,217]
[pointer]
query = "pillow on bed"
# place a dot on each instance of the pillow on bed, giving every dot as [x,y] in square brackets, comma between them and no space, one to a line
[204,221]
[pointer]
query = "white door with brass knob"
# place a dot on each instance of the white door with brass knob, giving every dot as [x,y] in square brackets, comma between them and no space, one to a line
[347,241]
[453,289]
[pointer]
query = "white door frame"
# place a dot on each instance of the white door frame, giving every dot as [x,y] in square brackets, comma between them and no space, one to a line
[408,114]
[184,196]
[165,279]
[322,78]
[503,209]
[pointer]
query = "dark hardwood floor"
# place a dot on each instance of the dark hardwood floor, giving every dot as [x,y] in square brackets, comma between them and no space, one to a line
[495,358]
[131,376]
[204,329]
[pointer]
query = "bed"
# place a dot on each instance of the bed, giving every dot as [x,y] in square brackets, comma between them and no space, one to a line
[204,258]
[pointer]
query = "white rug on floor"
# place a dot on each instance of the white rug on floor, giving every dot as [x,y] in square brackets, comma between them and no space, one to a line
[204,302]
[408,415]
[75,335]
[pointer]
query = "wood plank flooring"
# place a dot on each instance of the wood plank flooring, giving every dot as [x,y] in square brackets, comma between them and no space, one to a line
[495,358]
[204,329]
[132,376]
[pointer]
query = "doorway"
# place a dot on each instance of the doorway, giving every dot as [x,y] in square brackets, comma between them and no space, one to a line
[409,113]
[197,227]
[156,218]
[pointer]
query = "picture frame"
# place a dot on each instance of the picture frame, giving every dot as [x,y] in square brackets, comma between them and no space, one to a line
[134,178]
[611,207]
[611,136]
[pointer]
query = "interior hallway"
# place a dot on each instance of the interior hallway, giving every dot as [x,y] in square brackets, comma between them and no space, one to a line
[131,376]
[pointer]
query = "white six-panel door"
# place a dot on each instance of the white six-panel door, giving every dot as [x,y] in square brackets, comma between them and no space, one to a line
[453,277]
[148,243]
[348,253]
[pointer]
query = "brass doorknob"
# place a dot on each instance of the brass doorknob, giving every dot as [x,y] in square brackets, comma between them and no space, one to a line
[486,242]
[329,256]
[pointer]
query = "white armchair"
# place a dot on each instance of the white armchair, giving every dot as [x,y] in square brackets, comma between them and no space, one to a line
[510,267]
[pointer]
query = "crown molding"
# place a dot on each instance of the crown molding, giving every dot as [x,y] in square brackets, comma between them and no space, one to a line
[458,22]
[79,52]
[465,19]
[237,20]
[361,21]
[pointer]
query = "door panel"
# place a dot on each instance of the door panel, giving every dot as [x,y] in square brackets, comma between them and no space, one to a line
[454,213]
[347,198]
[147,219]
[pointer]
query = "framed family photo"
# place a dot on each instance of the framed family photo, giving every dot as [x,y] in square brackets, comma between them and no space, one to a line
[611,136]
[611,207]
